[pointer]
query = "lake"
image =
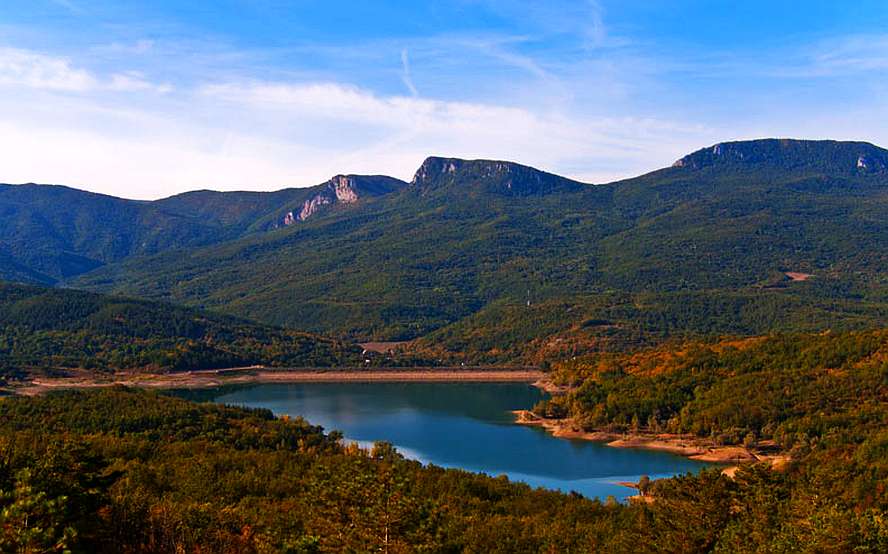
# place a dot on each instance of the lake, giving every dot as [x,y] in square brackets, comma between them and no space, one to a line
[462,425]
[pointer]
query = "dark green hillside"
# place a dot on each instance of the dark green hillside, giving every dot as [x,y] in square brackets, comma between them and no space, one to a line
[395,268]
[240,210]
[52,233]
[49,328]
[801,390]
[12,270]
[817,156]
[58,232]
[502,260]
[488,176]
[243,212]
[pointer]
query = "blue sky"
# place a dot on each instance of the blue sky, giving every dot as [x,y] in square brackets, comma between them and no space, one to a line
[146,99]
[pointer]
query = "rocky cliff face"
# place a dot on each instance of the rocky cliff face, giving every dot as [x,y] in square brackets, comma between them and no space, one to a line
[343,189]
[827,156]
[339,189]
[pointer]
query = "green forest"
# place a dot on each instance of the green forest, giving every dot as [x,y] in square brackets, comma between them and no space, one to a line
[798,390]
[493,260]
[120,470]
[51,329]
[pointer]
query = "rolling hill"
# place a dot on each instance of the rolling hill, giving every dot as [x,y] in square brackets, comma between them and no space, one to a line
[52,233]
[49,329]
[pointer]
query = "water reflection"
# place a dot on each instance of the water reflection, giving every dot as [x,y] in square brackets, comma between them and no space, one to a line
[463,425]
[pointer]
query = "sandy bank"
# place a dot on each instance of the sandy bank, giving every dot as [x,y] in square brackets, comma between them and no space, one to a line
[238,376]
[690,446]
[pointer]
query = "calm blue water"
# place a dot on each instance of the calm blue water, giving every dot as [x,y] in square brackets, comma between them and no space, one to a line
[465,425]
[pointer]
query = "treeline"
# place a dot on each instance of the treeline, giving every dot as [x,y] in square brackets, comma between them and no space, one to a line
[796,389]
[44,328]
[823,399]
[124,471]
[552,328]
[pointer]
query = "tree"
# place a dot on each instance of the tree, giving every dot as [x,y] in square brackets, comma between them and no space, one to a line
[32,521]
[644,485]
[384,451]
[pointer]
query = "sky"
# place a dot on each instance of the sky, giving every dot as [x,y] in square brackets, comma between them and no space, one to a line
[145,99]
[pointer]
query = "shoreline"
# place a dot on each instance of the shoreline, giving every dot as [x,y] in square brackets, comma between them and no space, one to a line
[261,375]
[689,446]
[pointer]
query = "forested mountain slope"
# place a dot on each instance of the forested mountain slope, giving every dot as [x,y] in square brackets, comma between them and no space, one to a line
[43,328]
[51,233]
[494,257]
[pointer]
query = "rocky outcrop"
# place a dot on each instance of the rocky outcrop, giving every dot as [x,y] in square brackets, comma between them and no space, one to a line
[490,176]
[342,189]
[433,168]
[871,164]
[824,156]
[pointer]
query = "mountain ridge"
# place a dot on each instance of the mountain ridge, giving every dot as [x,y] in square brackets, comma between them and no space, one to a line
[497,176]
[697,159]
[839,156]
[505,261]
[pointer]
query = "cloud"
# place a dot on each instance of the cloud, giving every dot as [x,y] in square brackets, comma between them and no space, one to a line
[68,5]
[596,32]
[29,69]
[264,135]
[133,81]
[405,73]
[847,55]
[34,70]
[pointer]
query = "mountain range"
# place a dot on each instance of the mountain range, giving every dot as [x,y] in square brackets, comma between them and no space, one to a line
[494,259]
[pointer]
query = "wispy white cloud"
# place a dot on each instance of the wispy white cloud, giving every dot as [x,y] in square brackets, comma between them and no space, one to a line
[839,56]
[35,70]
[595,107]
[28,69]
[596,32]
[405,73]
[842,56]
[133,81]
[68,5]
[137,47]
[262,135]
[498,48]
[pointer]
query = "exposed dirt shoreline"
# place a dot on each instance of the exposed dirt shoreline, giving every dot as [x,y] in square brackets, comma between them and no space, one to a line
[259,375]
[690,446]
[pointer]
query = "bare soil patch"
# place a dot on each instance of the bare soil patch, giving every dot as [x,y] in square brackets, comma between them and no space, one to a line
[690,446]
[258,375]
[796,276]
[382,347]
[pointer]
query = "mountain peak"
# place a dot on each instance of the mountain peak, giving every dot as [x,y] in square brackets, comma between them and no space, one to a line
[433,166]
[489,175]
[824,155]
